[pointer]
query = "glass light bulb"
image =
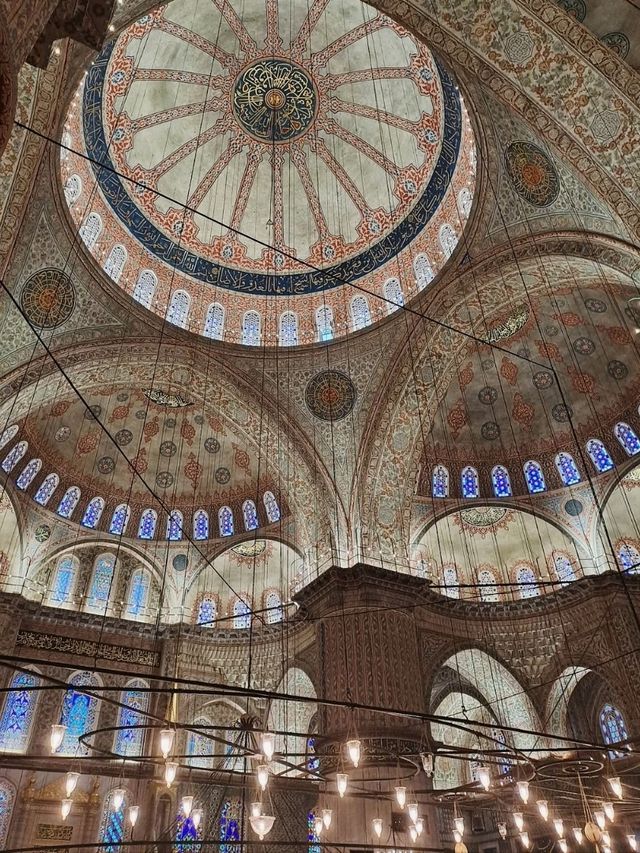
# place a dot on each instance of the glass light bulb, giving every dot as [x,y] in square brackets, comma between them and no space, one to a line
[353,748]
[117,799]
[401,795]
[263,776]
[458,823]
[261,824]
[256,809]
[558,826]
[524,838]
[600,818]
[606,839]
[71,782]
[633,844]
[502,830]
[268,744]
[65,808]
[609,811]
[606,848]
[166,741]
[457,836]
[57,736]
[523,791]
[413,833]
[341,781]
[518,819]
[543,808]
[196,817]
[577,834]
[376,823]
[484,777]
[562,844]
[327,814]
[170,770]
[318,825]
[133,814]
[616,786]
[412,808]
[187,805]
[420,826]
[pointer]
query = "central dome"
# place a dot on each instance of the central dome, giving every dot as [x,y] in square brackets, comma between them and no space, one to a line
[251,153]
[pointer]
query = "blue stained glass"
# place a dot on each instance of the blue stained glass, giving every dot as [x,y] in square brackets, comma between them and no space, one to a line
[129,739]
[200,524]
[393,294]
[440,482]
[214,323]
[47,488]
[138,592]
[288,329]
[230,826]
[17,714]
[567,469]
[629,557]
[207,611]
[28,473]
[93,512]
[273,605]
[64,579]
[423,271]
[534,477]
[360,314]
[14,456]
[147,526]
[613,727]
[312,836]
[504,762]
[627,438]
[241,614]
[119,520]
[469,481]
[101,582]
[174,526]
[250,515]
[78,714]
[69,502]
[7,799]
[200,747]
[271,507]
[112,827]
[251,329]
[313,762]
[225,521]
[527,582]
[501,482]
[324,323]
[564,568]
[599,455]
[186,832]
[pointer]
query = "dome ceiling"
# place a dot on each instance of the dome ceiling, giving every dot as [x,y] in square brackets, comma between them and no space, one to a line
[329,134]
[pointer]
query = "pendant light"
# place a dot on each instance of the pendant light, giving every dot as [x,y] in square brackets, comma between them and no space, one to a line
[262,824]
[600,818]
[117,799]
[57,736]
[196,817]
[263,776]
[502,830]
[133,812]
[412,808]
[341,781]
[606,839]
[609,811]
[524,838]
[413,833]
[353,748]
[558,826]
[543,808]
[518,819]
[318,825]
[71,782]
[457,837]
[523,791]
[633,844]
[256,809]
[170,771]
[401,795]
[420,826]
[577,834]
[187,805]
[458,823]
[376,823]
[562,844]
[65,808]
[327,814]
[268,744]
[616,786]
[167,737]
[484,777]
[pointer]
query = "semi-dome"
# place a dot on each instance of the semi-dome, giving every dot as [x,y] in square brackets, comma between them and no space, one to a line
[266,180]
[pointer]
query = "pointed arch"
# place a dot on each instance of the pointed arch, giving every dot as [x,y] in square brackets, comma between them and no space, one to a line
[450,581]
[79,712]
[112,825]
[138,593]
[18,712]
[241,614]
[14,456]
[393,294]
[567,469]
[8,435]
[90,230]
[93,512]
[251,331]
[114,264]
[175,523]
[101,581]
[47,488]
[69,502]
[28,473]
[613,727]
[225,521]
[469,482]
[250,515]
[288,329]
[128,741]
[178,311]
[360,313]
[214,322]
[599,455]
[564,567]
[63,582]
[119,520]
[423,271]
[145,288]
[72,189]
[206,611]
[628,555]
[527,581]
[273,607]
[627,438]
[448,239]
[488,586]
[147,525]
[200,524]
[501,482]
[440,482]
[271,507]
[534,477]
[465,200]
[324,323]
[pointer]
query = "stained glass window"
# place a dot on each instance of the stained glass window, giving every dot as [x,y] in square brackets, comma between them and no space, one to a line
[464,202]
[250,515]
[360,314]
[271,507]
[200,748]
[312,835]
[93,512]
[214,322]
[64,580]
[613,727]
[526,580]
[186,832]
[488,588]
[174,526]
[72,188]
[230,815]
[564,567]
[469,482]
[313,762]
[47,488]
[423,271]
[128,740]
[393,294]
[629,557]
[599,455]
[534,477]
[116,259]
[14,456]
[90,230]
[448,239]
[241,614]
[69,502]
[251,329]
[501,482]
[178,312]
[324,322]
[440,482]
[207,611]
[200,524]
[138,593]
[567,469]
[273,605]
[18,711]
[500,743]
[288,336]
[225,521]
[8,435]
[112,826]
[79,713]
[147,525]
[7,800]
[101,580]
[627,438]
[145,288]
[28,473]
[119,520]
[450,577]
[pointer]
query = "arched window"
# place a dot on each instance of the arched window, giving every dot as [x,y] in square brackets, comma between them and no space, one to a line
[613,727]
[393,294]
[273,606]
[313,762]
[207,611]
[18,712]
[28,473]
[7,800]
[423,271]
[8,435]
[174,526]
[47,488]
[145,287]
[200,524]
[14,456]
[64,580]
[599,455]
[500,743]
[488,588]
[90,230]
[230,824]
[178,312]
[567,469]
[271,507]
[214,322]
[469,482]
[627,438]
[200,748]
[360,314]
[72,188]
[69,502]
[112,828]
[225,521]
[628,557]
[116,259]
[534,477]
[448,239]
[138,596]
[101,580]
[241,614]
[79,713]
[288,335]
[119,520]
[526,580]
[501,482]
[324,323]
[251,336]
[440,482]
[450,578]
[465,200]
[128,741]
[147,525]
[250,515]
[564,567]
[93,512]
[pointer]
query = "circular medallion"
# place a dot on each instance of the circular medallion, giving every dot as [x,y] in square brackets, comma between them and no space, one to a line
[487,395]
[222,475]
[199,419]
[141,414]
[573,507]
[486,517]
[596,306]
[212,445]
[170,423]
[561,413]
[123,437]
[180,562]
[330,395]
[617,370]
[551,331]
[583,346]
[490,431]
[43,532]
[122,397]
[93,412]
[250,549]
[164,479]
[274,100]
[48,298]
[542,379]
[106,465]
[618,43]
[577,8]
[63,433]
[532,173]
[168,448]
[519,47]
